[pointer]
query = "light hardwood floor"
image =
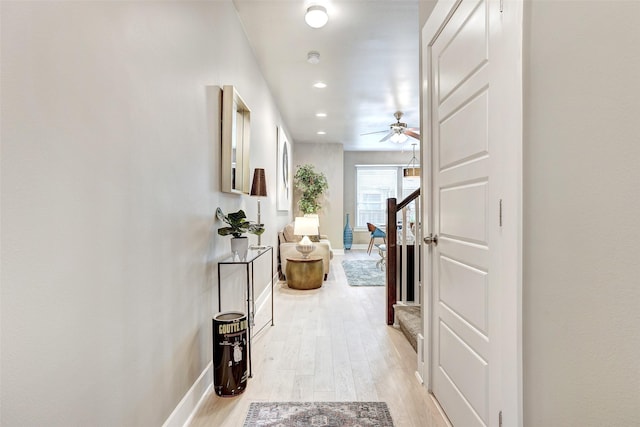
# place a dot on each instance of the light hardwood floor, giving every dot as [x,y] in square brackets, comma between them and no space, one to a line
[330,344]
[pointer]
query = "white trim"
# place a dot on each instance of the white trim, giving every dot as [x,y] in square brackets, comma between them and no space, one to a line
[264,296]
[420,358]
[186,409]
[440,410]
[359,246]
[192,400]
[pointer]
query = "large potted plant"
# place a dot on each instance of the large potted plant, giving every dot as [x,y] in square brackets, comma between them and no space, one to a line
[312,185]
[237,226]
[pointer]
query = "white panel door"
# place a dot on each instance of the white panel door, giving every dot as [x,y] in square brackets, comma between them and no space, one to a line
[463,197]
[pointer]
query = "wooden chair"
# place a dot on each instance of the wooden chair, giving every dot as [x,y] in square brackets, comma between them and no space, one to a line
[375,232]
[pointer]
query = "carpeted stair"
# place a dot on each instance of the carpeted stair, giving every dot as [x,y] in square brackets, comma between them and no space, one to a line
[408,317]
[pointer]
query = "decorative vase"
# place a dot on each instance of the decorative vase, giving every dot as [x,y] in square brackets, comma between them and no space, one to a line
[239,247]
[348,235]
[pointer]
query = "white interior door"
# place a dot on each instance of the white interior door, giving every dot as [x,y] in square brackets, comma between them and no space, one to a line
[467,148]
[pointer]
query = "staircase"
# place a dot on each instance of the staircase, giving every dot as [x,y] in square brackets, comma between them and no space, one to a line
[409,319]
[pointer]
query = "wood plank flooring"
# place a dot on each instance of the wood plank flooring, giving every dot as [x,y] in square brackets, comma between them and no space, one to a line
[330,344]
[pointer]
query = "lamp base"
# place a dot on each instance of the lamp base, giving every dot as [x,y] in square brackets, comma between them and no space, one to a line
[305,247]
[305,250]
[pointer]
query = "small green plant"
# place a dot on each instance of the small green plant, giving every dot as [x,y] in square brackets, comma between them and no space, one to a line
[312,185]
[237,224]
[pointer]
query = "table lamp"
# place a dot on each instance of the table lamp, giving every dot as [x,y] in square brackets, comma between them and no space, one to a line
[304,226]
[259,189]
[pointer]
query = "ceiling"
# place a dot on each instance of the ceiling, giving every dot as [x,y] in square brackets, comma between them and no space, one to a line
[369,59]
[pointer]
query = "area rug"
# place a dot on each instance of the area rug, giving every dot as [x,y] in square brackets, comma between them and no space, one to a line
[318,414]
[363,272]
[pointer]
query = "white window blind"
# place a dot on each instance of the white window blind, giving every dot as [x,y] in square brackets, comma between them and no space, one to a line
[374,185]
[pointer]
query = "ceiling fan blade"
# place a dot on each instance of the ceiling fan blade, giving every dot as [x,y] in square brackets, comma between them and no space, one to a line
[371,133]
[412,134]
[389,135]
[416,130]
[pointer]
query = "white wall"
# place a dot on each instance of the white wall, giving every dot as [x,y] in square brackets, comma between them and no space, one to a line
[110,180]
[581,288]
[326,158]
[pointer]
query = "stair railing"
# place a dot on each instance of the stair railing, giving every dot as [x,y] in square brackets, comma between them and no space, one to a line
[398,294]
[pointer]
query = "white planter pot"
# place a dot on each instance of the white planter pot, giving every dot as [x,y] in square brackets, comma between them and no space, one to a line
[239,247]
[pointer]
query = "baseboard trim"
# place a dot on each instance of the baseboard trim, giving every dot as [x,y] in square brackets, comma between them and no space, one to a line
[188,406]
[440,410]
[360,246]
[186,409]
[266,294]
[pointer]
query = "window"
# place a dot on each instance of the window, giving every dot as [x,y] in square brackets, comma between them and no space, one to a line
[374,185]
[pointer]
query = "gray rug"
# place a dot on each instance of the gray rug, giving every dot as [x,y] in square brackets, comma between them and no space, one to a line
[318,414]
[363,272]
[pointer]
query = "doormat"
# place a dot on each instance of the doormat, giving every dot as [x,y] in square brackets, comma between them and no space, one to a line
[318,414]
[363,272]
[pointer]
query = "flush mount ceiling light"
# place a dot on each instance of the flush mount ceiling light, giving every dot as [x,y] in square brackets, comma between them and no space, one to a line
[321,114]
[321,132]
[313,57]
[320,85]
[316,16]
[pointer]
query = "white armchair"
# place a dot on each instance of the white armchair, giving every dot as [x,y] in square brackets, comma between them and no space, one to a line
[287,242]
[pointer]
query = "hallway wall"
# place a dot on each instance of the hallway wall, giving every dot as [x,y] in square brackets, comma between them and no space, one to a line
[581,293]
[326,158]
[110,181]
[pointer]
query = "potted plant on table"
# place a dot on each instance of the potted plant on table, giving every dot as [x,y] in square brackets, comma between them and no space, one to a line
[312,186]
[237,226]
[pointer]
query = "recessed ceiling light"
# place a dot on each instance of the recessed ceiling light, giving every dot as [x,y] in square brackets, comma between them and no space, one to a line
[316,16]
[313,57]
[320,85]
[321,114]
[321,132]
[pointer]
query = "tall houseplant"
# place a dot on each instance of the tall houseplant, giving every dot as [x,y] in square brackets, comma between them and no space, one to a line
[312,185]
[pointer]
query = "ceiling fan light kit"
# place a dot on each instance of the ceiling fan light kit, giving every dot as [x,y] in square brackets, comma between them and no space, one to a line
[399,137]
[316,16]
[398,132]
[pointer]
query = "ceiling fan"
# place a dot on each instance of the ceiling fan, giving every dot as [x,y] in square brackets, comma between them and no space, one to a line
[398,131]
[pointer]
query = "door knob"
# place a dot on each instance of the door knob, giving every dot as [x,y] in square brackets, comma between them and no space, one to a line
[431,239]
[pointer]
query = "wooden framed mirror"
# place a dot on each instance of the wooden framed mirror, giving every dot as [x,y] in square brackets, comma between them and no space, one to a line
[236,123]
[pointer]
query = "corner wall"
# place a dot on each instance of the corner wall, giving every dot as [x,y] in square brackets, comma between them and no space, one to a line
[581,292]
[327,158]
[110,181]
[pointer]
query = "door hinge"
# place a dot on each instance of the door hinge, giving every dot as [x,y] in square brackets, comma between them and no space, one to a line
[500,213]
[500,419]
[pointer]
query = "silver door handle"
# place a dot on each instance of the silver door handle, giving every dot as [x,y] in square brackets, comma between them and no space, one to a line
[431,239]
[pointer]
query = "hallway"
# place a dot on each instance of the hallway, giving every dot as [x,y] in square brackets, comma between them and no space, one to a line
[330,344]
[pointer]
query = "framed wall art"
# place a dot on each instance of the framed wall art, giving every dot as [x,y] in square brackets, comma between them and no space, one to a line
[283,165]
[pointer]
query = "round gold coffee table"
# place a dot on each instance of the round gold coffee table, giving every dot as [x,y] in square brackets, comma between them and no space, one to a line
[304,273]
